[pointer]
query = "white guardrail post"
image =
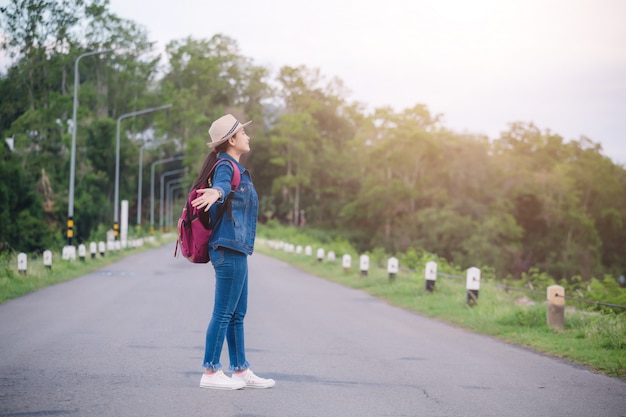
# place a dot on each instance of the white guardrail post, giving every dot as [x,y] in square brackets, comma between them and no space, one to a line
[472,284]
[431,275]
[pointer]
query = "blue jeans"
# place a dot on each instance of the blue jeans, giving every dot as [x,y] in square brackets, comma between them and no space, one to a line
[229,310]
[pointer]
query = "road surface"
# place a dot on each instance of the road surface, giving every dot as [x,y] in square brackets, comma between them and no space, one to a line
[128,341]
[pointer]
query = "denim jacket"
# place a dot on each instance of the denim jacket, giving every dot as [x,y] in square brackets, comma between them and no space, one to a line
[236,229]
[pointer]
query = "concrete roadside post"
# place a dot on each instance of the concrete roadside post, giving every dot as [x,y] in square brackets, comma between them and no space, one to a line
[69,253]
[47,259]
[346,262]
[472,284]
[556,307]
[82,252]
[331,256]
[308,250]
[102,248]
[392,268]
[320,255]
[22,263]
[93,249]
[431,275]
[364,265]
[123,224]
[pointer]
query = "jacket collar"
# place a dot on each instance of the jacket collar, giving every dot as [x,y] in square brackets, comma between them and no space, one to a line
[224,155]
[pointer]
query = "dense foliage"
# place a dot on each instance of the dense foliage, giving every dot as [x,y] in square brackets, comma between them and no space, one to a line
[399,180]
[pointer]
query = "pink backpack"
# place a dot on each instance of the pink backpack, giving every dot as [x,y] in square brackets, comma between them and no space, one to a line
[193,236]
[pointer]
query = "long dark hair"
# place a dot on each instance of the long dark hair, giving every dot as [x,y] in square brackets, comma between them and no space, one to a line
[203,178]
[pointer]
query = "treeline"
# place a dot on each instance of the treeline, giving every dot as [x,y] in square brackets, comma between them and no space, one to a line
[397,180]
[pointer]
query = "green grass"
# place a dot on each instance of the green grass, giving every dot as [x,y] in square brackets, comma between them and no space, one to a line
[592,339]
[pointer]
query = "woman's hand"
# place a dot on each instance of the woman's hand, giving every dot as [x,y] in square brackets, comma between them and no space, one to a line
[207,198]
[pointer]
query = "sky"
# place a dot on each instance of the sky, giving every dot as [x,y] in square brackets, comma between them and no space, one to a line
[482,64]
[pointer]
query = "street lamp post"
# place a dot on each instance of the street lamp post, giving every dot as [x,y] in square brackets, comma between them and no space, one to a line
[171,195]
[167,174]
[140,185]
[70,203]
[175,183]
[154,164]
[117,162]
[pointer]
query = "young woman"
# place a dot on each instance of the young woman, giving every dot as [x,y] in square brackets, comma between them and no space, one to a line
[231,243]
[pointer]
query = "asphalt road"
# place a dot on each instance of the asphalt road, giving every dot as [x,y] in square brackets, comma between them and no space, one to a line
[128,341]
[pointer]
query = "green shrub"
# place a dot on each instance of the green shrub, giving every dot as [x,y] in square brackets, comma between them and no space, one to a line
[606,330]
[524,317]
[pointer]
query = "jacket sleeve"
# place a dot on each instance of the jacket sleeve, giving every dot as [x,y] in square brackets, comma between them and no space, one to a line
[222,179]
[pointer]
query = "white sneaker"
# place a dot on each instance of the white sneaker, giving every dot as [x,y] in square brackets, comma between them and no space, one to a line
[252,381]
[219,380]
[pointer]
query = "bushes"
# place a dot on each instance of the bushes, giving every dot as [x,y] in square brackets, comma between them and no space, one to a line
[607,330]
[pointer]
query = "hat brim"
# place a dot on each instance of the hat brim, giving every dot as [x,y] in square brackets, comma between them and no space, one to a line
[237,129]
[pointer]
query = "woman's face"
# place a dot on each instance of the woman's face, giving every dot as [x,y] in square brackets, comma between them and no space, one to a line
[241,142]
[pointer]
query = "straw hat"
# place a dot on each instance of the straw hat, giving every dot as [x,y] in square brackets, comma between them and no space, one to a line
[224,128]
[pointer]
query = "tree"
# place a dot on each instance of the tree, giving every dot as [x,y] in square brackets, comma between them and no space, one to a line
[559,232]
[23,229]
[204,80]
[313,131]
[45,38]
[37,30]
[291,140]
